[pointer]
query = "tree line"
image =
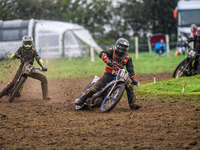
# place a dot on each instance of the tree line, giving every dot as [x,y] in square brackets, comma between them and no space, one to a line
[106,21]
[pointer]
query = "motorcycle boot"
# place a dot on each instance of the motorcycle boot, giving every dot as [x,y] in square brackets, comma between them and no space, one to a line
[85,96]
[44,85]
[7,89]
[131,97]
[45,92]
[2,93]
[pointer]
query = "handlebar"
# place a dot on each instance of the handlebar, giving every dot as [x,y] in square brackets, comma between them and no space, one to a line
[40,69]
[130,76]
[188,46]
[114,64]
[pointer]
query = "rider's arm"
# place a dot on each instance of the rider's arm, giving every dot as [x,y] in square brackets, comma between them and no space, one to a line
[106,54]
[130,68]
[16,55]
[38,59]
[190,39]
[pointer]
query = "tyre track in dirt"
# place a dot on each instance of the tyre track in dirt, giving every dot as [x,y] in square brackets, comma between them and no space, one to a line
[32,123]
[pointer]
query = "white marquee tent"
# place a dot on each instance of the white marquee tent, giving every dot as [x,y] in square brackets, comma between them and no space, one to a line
[53,39]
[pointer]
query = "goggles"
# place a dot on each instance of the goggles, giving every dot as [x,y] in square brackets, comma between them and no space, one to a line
[123,47]
[27,43]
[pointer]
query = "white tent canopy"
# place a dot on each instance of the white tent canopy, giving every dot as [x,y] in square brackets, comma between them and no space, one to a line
[61,38]
[53,39]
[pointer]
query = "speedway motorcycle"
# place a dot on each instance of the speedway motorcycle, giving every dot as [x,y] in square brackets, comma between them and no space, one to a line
[108,96]
[26,71]
[186,66]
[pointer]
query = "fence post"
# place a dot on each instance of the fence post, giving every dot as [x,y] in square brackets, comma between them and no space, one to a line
[149,45]
[92,53]
[167,44]
[191,43]
[136,47]
[69,50]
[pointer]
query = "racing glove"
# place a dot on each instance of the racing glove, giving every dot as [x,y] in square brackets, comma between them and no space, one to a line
[17,55]
[109,63]
[135,82]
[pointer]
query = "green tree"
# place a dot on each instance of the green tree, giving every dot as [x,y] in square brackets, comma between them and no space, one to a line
[154,16]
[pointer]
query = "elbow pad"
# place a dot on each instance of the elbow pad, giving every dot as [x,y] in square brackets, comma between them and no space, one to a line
[12,56]
[41,61]
[104,57]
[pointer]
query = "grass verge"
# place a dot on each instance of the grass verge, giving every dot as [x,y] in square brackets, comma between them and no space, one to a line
[83,67]
[171,89]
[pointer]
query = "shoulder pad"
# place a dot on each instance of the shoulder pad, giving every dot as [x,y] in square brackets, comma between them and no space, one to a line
[128,56]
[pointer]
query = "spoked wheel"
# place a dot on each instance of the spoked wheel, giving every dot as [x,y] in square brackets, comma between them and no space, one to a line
[179,71]
[17,88]
[111,100]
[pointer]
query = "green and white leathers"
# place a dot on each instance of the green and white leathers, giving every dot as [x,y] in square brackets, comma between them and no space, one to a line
[27,54]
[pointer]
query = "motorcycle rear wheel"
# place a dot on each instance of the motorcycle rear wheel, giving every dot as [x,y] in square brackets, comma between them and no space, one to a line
[111,100]
[17,88]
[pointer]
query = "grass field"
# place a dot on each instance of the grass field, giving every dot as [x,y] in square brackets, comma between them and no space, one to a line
[146,64]
[172,88]
[83,67]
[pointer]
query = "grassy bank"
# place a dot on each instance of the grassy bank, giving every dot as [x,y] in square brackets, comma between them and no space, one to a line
[172,89]
[83,67]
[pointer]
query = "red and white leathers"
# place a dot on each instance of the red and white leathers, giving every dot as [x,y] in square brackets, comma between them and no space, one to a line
[110,73]
[124,60]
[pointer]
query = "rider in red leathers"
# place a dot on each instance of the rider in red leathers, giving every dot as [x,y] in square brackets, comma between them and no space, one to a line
[121,58]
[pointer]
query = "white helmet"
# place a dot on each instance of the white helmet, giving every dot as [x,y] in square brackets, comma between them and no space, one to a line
[27,42]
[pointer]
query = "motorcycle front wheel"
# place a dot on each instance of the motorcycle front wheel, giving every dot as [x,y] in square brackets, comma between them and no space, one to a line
[17,88]
[179,71]
[111,100]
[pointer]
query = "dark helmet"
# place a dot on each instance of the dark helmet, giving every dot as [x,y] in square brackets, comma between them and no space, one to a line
[193,27]
[27,42]
[122,45]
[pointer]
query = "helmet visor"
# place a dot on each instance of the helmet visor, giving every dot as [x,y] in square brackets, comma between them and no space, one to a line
[123,47]
[27,43]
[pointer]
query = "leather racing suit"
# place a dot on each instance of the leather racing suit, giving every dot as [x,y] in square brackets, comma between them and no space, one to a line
[28,56]
[110,74]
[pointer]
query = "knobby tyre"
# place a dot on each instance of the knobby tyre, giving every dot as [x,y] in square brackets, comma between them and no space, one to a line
[179,69]
[111,101]
[17,88]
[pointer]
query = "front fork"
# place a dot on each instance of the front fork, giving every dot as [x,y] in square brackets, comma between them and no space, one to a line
[108,95]
[21,88]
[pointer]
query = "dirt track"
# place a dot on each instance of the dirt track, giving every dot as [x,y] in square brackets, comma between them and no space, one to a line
[32,123]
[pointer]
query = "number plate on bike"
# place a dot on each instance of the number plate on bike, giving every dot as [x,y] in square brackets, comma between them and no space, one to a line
[122,75]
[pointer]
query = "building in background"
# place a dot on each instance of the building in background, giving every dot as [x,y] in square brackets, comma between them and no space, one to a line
[53,39]
[187,13]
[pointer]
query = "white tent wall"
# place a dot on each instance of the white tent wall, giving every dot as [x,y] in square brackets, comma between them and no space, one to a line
[85,36]
[71,45]
[48,40]
[11,32]
[53,39]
